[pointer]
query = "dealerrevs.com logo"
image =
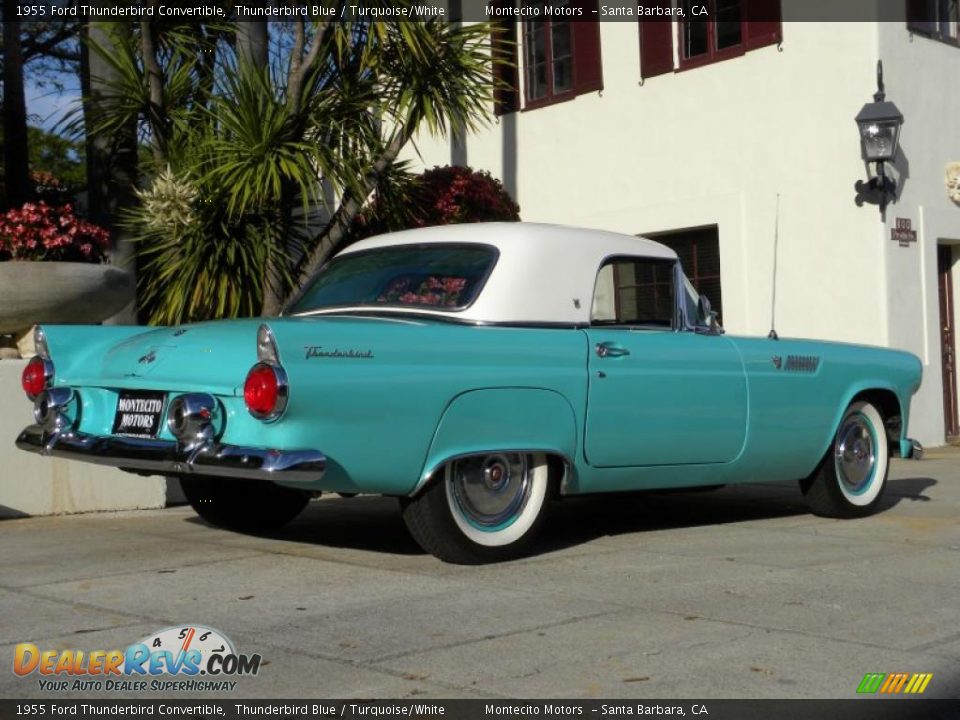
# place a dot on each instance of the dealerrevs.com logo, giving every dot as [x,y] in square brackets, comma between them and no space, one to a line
[186,658]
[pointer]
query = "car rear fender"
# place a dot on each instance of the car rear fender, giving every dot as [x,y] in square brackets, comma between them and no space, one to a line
[512,419]
[73,346]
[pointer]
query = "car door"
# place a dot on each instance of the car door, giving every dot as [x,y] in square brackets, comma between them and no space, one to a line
[657,394]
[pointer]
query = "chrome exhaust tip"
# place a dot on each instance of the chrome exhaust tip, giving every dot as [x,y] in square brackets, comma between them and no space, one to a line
[191,418]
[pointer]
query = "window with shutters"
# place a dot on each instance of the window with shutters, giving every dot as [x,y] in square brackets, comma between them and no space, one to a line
[548,58]
[729,29]
[699,253]
[560,58]
[936,19]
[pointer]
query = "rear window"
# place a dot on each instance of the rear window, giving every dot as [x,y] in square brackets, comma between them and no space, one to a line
[428,277]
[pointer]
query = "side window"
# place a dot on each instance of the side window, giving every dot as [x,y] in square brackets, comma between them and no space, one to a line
[635,291]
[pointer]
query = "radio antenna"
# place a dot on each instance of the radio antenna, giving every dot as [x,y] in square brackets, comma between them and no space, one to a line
[773,299]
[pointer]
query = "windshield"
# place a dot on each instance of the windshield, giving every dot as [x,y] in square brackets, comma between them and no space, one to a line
[444,277]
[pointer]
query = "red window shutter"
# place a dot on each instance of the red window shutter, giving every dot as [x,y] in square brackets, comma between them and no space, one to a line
[503,48]
[587,67]
[764,23]
[920,16]
[656,48]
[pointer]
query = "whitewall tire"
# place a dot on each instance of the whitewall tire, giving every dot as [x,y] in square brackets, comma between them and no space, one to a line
[851,479]
[481,508]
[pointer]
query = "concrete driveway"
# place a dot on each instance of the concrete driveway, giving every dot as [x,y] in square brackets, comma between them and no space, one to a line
[732,593]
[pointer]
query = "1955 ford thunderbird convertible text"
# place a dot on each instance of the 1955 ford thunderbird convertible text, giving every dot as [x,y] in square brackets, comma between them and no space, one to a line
[475,372]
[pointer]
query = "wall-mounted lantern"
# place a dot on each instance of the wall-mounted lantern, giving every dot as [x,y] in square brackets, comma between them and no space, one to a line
[879,124]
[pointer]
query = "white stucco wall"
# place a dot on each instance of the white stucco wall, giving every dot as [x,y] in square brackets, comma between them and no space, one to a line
[32,485]
[922,78]
[716,144]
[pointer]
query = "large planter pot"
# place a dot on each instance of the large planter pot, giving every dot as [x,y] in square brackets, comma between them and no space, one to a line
[60,292]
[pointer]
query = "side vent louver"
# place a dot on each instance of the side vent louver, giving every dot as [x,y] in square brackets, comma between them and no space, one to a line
[802,363]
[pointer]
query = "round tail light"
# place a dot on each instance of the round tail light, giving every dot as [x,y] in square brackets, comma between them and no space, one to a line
[265,391]
[36,377]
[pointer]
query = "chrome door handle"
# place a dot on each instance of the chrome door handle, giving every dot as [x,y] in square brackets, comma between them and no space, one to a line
[611,349]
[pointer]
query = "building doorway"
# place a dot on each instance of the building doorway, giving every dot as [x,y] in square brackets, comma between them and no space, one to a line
[947,339]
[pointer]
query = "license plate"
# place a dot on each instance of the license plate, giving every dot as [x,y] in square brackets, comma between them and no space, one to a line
[139,413]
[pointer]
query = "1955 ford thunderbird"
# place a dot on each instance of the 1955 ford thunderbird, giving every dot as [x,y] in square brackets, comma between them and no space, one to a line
[475,372]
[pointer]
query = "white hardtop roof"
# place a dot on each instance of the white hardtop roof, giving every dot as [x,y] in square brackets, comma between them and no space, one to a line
[544,273]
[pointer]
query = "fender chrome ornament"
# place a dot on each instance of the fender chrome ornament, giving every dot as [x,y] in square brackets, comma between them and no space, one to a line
[148,358]
[777,361]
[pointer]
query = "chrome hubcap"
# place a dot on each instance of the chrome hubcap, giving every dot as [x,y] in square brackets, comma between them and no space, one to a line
[491,489]
[855,455]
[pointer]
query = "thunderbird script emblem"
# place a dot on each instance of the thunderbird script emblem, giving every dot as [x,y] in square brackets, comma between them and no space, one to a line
[148,358]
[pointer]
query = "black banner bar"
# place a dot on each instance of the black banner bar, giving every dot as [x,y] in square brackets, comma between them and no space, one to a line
[858,709]
[467,10]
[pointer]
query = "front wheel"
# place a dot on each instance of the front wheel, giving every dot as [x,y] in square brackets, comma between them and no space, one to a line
[483,508]
[851,478]
[246,505]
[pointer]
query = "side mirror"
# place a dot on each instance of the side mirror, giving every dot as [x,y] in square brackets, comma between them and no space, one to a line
[709,317]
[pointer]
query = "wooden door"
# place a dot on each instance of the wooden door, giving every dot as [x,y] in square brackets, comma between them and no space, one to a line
[947,340]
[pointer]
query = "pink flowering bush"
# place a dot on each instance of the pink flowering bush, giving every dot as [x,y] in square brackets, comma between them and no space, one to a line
[434,291]
[38,231]
[452,194]
[441,196]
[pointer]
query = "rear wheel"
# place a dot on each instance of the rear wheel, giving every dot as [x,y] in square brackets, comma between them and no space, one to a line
[483,508]
[851,478]
[244,505]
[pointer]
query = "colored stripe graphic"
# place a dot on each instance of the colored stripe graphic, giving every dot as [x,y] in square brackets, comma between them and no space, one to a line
[894,683]
[918,683]
[871,682]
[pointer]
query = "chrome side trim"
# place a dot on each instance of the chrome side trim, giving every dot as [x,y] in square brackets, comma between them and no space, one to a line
[165,457]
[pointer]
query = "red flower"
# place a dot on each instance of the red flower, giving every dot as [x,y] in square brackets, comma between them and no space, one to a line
[38,231]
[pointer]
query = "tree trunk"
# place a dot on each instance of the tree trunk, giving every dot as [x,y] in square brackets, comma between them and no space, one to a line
[157,113]
[16,160]
[252,43]
[336,230]
[111,160]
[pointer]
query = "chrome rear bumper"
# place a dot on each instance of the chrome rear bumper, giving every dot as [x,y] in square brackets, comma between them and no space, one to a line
[165,457]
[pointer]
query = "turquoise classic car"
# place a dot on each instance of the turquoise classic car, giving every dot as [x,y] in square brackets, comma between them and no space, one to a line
[476,373]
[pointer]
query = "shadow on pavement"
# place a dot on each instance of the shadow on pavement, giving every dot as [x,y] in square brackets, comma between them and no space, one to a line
[9,513]
[362,523]
[373,523]
[581,519]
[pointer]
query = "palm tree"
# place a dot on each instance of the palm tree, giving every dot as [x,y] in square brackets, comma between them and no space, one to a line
[259,169]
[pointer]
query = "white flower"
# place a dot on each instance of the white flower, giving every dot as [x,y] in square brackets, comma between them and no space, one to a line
[167,206]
